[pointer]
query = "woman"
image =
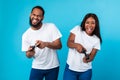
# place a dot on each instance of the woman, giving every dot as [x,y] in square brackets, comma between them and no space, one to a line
[83,40]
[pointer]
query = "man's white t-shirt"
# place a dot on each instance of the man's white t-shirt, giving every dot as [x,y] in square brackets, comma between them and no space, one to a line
[45,58]
[75,59]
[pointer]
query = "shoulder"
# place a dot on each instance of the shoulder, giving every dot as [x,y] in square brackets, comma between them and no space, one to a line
[27,32]
[77,28]
[49,24]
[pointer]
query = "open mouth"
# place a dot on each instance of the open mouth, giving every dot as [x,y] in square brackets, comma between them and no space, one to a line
[34,21]
[89,29]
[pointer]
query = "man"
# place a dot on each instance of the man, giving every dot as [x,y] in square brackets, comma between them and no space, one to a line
[40,42]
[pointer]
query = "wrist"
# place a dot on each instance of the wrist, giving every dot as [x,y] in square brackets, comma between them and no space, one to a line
[30,54]
[46,44]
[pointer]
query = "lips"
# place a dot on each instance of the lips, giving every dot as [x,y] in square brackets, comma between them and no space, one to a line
[89,29]
[34,21]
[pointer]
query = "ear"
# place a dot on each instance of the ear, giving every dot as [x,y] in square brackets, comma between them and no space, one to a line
[42,18]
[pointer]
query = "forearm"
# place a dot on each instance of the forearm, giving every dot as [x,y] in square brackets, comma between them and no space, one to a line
[71,44]
[76,46]
[53,45]
[91,58]
[92,55]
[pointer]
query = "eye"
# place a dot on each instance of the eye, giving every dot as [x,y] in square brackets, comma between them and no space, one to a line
[33,14]
[39,15]
[86,22]
[92,22]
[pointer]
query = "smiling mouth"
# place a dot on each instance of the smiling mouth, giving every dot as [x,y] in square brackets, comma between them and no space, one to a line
[89,29]
[34,21]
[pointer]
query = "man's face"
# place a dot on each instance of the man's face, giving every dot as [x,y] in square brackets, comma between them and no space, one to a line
[36,17]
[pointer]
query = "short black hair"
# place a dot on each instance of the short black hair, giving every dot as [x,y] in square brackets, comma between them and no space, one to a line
[38,7]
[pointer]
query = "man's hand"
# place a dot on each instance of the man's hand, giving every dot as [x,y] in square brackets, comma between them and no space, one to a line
[30,53]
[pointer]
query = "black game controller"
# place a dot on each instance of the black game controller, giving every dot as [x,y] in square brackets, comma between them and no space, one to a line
[84,51]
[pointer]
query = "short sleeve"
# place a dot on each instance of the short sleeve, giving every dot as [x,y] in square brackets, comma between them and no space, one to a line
[25,43]
[97,44]
[76,29]
[56,34]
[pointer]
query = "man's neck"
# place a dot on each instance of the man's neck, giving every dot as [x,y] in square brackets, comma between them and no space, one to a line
[37,27]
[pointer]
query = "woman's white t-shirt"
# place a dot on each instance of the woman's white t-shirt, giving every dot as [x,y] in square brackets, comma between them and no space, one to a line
[75,59]
[45,58]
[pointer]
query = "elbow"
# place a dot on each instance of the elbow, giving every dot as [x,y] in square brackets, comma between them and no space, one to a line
[60,46]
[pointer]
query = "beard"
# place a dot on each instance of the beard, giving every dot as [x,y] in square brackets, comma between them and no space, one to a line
[34,25]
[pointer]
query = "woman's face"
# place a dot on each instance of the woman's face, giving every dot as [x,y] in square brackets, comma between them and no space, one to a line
[90,25]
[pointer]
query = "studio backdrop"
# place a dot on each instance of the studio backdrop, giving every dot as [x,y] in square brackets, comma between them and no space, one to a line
[14,21]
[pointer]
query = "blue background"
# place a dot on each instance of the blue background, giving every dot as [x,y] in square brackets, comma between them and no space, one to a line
[14,20]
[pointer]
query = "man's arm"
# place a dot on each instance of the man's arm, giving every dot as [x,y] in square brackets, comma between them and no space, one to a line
[53,45]
[30,53]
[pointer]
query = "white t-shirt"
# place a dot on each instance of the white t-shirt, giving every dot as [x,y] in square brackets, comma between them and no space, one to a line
[44,58]
[75,59]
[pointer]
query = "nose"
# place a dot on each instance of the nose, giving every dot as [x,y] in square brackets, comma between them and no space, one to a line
[35,16]
[90,25]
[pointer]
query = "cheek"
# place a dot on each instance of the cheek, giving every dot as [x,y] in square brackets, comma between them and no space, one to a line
[40,19]
[86,26]
[31,17]
[93,26]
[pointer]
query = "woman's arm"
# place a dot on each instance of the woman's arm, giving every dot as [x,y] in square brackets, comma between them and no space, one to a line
[91,56]
[71,43]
